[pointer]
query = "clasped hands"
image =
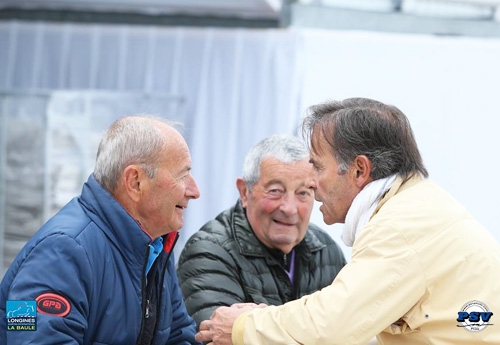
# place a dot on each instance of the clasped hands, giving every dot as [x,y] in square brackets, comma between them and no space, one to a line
[218,329]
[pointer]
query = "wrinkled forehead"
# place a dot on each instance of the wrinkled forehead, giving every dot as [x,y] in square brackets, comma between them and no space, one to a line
[176,149]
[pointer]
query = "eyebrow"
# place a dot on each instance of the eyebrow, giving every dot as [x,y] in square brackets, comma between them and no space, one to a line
[281,183]
[184,170]
[273,181]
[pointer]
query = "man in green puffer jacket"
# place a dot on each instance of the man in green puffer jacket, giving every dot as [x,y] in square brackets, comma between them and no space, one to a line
[263,249]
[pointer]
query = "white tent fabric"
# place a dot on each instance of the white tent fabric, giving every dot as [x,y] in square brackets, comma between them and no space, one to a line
[447,86]
[240,85]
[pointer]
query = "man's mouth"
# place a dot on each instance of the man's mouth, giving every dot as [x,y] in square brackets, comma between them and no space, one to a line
[282,223]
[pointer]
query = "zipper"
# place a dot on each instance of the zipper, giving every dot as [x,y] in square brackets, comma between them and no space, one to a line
[164,269]
[145,300]
[146,314]
[147,292]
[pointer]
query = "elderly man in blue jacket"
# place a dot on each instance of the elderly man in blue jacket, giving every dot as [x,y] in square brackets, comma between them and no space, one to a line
[101,270]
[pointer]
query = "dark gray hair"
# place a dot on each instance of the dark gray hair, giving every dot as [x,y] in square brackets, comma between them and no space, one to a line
[284,147]
[136,139]
[361,126]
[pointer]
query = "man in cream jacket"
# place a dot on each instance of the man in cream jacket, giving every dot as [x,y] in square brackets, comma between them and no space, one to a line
[423,270]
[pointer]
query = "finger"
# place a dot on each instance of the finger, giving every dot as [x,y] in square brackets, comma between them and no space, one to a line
[205,325]
[243,305]
[203,336]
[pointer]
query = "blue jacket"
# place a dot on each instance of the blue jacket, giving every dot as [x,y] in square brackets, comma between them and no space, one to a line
[85,267]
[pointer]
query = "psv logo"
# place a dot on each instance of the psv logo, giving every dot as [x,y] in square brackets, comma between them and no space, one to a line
[52,304]
[474,316]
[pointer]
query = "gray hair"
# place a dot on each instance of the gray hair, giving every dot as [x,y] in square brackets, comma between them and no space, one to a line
[136,139]
[362,126]
[284,147]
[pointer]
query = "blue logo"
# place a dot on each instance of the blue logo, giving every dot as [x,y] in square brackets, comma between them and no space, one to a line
[21,315]
[474,316]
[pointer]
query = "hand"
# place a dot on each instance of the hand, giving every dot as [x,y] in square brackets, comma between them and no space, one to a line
[218,329]
[253,305]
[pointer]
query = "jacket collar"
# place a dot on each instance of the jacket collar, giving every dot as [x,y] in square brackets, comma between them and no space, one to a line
[117,224]
[249,244]
[399,184]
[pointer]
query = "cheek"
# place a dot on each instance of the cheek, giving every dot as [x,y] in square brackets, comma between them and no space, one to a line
[304,209]
[173,192]
[321,179]
[321,187]
[268,206]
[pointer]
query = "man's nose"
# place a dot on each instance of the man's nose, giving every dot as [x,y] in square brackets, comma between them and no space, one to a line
[289,204]
[192,190]
[311,184]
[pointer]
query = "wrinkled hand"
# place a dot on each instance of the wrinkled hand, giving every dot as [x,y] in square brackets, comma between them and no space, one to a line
[218,330]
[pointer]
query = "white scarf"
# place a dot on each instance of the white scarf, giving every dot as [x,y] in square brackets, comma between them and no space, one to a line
[362,207]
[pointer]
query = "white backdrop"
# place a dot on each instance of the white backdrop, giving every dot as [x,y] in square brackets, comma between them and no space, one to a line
[449,87]
[240,85]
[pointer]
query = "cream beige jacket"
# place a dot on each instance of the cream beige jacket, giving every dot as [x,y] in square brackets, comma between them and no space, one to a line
[417,262]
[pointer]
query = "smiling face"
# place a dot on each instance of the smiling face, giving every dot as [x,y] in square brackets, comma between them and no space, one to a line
[165,196]
[280,203]
[334,190]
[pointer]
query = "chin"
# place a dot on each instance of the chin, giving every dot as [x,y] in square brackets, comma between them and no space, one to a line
[327,221]
[285,241]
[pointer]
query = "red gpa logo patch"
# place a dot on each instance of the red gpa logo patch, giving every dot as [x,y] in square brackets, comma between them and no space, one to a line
[52,304]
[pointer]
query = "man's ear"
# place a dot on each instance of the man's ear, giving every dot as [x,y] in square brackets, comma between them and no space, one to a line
[362,169]
[242,189]
[134,181]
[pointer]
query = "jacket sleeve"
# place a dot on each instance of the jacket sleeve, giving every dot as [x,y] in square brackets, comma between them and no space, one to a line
[209,277]
[56,265]
[183,328]
[368,295]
